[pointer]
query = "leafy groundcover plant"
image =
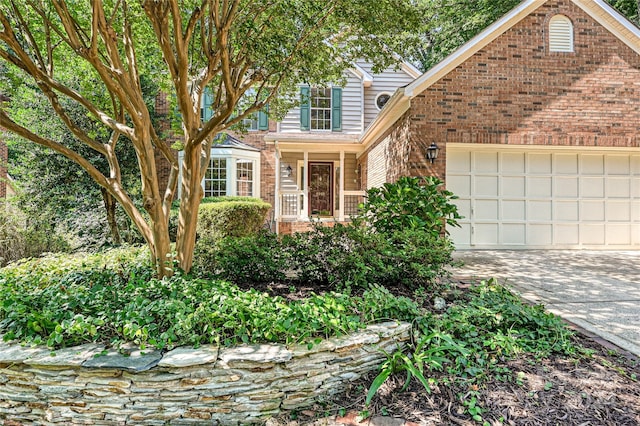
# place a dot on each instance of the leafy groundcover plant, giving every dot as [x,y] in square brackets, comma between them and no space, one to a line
[113,298]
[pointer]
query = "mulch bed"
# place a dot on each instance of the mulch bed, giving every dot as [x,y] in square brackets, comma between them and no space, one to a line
[596,391]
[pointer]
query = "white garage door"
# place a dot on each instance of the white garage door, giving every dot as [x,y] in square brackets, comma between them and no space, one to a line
[536,198]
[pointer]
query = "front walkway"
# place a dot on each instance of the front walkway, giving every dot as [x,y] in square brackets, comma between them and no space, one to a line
[596,290]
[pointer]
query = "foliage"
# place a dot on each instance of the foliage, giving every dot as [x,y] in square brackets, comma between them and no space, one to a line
[349,255]
[469,342]
[340,256]
[410,203]
[244,54]
[246,260]
[113,298]
[231,218]
[56,189]
[21,238]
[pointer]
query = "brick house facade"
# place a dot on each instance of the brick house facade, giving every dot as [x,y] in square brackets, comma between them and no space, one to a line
[540,145]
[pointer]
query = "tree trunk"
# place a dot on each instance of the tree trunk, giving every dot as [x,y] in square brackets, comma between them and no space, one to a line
[110,205]
[189,202]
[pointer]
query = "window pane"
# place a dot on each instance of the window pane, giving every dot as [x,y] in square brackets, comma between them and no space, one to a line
[321,109]
[244,178]
[215,181]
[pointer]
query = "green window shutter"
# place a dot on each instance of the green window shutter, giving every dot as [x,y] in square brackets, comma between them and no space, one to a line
[336,109]
[305,108]
[205,108]
[263,118]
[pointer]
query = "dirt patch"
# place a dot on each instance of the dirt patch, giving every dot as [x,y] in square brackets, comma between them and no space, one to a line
[601,389]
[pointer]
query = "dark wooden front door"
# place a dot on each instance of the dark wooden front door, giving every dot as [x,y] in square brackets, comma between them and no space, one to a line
[321,189]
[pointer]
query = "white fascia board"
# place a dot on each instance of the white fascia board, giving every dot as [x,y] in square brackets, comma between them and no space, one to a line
[410,69]
[367,79]
[473,46]
[613,21]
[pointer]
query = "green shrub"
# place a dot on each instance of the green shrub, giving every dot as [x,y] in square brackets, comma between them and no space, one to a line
[231,218]
[410,203]
[112,298]
[21,238]
[345,256]
[250,260]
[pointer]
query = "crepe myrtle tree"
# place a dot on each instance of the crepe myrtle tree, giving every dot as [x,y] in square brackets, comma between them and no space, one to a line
[246,53]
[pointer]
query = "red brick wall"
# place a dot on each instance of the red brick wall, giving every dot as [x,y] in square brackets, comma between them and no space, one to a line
[514,91]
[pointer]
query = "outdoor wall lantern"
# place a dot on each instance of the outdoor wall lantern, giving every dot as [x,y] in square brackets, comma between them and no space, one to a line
[287,171]
[432,152]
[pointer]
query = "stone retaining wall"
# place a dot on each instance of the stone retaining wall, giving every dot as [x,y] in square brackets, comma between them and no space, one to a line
[185,386]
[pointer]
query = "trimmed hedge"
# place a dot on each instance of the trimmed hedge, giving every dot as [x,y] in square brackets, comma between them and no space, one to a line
[231,217]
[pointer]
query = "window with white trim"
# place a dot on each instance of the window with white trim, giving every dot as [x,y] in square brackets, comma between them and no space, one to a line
[244,177]
[231,171]
[560,34]
[215,180]
[320,108]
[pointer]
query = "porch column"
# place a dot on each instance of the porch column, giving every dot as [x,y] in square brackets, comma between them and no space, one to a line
[305,185]
[276,206]
[341,188]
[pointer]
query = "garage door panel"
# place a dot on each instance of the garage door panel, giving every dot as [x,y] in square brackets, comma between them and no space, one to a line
[459,162]
[461,235]
[486,234]
[593,234]
[539,210]
[592,164]
[464,207]
[619,234]
[513,186]
[514,234]
[539,163]
[592,187]
[462,185]
[565,187]
[540,235]
[539,187]
[565,211]
[618,165]
[592,210]
[485,162]
[618,187]
[618,211]
[513,162]
[566,164]
[543,198]
[486,210]
[486,186]
[566,234]
[514,210]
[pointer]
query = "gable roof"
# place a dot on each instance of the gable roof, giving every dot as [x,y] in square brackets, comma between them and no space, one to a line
[400,102]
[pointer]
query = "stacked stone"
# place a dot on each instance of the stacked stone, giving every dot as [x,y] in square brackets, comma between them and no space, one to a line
[208,385]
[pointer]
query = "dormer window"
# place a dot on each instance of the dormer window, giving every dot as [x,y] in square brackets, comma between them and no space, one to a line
[560,34]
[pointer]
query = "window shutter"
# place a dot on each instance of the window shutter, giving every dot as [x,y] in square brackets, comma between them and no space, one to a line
[205,108]
[560,34]
[305,108]
[263,118]
[336,109]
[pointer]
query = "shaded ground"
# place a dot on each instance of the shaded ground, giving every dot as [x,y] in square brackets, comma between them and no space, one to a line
[602,389]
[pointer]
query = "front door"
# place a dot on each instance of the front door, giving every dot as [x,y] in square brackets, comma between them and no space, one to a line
[321,189]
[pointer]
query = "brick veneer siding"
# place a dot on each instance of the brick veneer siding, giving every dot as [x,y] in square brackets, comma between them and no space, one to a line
[514,91]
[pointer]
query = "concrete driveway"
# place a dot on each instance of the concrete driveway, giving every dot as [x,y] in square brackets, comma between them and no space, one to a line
[596,290]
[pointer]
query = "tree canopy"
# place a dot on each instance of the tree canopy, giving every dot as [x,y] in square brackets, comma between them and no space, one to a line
[93,55]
